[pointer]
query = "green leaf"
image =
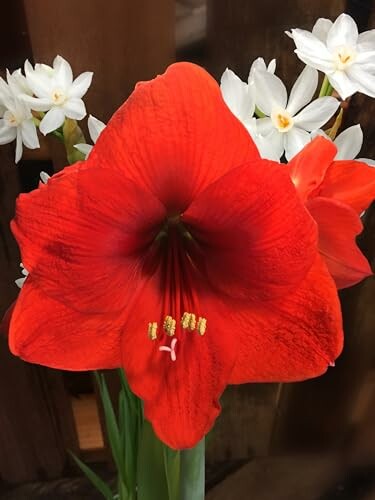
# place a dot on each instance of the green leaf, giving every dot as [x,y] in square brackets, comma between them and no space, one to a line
[192,473]
[172,471]
[99,484]
[152,481]
[111,426]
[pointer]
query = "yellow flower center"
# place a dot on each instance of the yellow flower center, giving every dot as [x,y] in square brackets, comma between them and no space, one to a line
[282,120]
[344,57]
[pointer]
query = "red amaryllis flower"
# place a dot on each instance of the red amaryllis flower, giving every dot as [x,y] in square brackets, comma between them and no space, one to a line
[175,252]
[335,193]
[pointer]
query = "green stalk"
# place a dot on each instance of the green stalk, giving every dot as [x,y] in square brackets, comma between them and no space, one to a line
[192,473]
[326,88]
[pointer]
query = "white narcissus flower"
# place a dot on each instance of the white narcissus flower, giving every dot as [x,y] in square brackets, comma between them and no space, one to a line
[17,124]
[336,49]
[240,99]
[286,125]
[348,143]
[56,92]
[95,127]
[20,281]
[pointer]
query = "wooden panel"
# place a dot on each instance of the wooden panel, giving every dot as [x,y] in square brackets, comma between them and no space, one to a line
[122,41]
[242,30]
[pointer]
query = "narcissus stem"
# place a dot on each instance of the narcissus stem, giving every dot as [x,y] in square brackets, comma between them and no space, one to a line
[326,88]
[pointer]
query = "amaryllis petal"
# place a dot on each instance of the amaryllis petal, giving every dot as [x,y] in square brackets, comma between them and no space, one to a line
[287,342]
[178,121]
[79,232]
[180,396]
[351,182]
[308,168]
[94,344]
[248,248]
[338,227]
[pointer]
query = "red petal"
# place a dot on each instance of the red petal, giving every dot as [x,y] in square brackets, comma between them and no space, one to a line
[47,332]
[255,238]
[292,339]
[338,226]
[181,397]
[81,236]
[174,135]
[351,182]
[308,168]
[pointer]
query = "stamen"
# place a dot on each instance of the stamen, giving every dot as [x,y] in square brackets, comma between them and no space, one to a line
[152,330]
[171,349]
[169,326]
[202,325]
[189,321]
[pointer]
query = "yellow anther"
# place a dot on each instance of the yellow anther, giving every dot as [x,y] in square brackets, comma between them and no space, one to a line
[153,330]
[189,321]
[201,326]
[169,326]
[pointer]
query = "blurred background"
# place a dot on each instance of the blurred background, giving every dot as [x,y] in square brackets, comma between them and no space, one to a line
[306,441]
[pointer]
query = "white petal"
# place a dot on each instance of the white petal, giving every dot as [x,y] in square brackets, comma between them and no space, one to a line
[366,41]
[44,177]
[349,143]
[303,90]
[271,68]
[264,126]
[52,120]
[237,95]
[344,31]
[267,149]
[18,146]
[343,85]
[7,134]
[63,72]
[312,51]
[96,127]
[295,140]
[271,92]
[38,82]
[29,134]
[275,142]
[20,281]
[36,104]
[85,149]
[324,66]
[364,80]
[321,28]
[257,65]
[317,113]
[81,84]
[369,162]
[74,108]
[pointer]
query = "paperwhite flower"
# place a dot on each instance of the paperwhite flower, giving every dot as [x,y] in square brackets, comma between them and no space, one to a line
[336,49]
[95,127]
[240,99]
[20,281]
[44,177]
[287,125]
[348,143]
[56,92]
[17,123]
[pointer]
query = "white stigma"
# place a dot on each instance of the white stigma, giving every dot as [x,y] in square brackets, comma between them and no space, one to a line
[171,349]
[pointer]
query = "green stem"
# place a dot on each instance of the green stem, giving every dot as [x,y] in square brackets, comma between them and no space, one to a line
[192,473]
[326,88]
